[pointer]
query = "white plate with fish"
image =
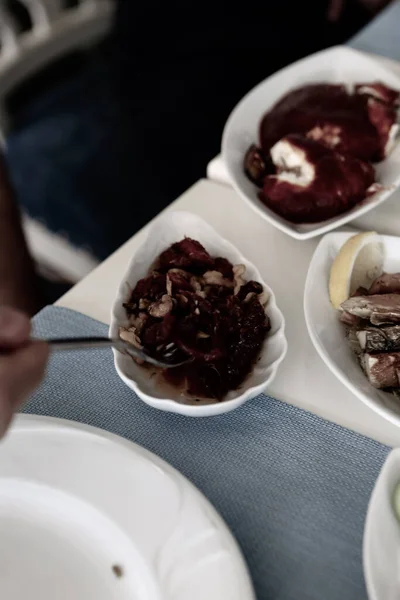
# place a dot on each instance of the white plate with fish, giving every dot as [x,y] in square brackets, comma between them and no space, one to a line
[329,334]
[381,544]
[339,65]
[86,515]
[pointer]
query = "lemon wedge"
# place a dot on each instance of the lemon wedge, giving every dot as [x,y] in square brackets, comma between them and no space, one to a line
[358,262]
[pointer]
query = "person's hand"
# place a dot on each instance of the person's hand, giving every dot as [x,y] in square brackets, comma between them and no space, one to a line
[336,7]
[22,363]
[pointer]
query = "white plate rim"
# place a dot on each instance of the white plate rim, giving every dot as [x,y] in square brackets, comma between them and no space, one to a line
[391,463]
[28,422]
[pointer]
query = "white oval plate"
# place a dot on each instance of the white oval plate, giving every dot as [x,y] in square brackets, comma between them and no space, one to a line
[381,545]
[86,515]
[169,228]
[328,334]
[335,65]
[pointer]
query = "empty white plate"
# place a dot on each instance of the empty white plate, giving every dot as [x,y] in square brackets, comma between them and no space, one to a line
[87,515]
[335,65]
[328,333]
[381,547]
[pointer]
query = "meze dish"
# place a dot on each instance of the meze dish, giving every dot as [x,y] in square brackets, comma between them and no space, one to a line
[201,308]
[368,301]
[317,147]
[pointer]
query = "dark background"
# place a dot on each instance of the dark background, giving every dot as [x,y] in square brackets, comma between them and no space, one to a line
[103,140]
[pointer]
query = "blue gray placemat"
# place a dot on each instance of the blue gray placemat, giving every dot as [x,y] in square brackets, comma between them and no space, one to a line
[292,487]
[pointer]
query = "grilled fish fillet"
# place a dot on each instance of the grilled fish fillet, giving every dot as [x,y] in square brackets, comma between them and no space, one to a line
[382,309]
[387,283]
[383,370]
[372,339]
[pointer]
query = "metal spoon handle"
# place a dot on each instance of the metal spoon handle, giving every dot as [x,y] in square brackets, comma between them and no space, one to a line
[58,344]
[85,343]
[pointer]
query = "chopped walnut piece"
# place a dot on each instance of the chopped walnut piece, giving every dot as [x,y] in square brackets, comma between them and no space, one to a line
[216,278]
[249,296]
[169,286]
[181,272]
[238,272]
[263,298]
[130,336]
[178,280]
[139,321]
[143,304]
[195,282]
[182,299]
[162,307]
[202,336]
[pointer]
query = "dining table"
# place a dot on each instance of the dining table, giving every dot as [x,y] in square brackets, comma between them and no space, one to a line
[291,471]
[303,379]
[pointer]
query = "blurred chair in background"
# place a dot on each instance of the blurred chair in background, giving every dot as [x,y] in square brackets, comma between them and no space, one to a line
[34,34]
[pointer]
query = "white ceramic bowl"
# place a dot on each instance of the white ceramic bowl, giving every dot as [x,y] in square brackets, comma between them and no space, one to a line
[168,229]
[381,547]
[336,65]
[328,334]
